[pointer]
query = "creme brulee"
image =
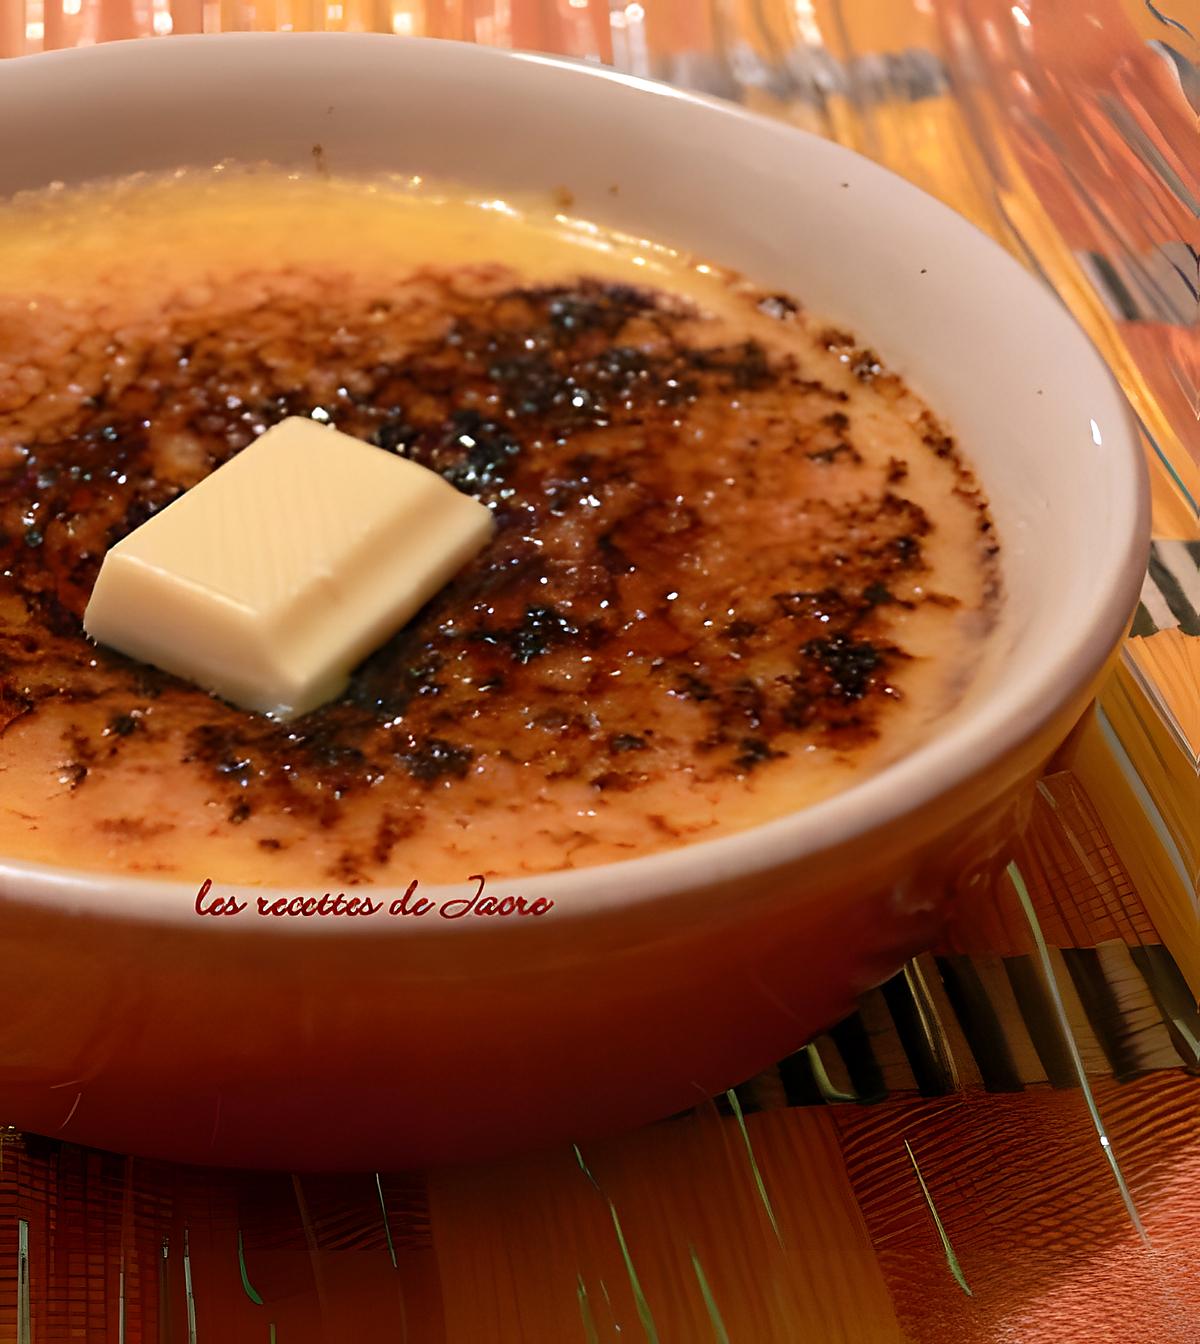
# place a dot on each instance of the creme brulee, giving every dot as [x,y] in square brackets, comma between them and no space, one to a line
[738,564]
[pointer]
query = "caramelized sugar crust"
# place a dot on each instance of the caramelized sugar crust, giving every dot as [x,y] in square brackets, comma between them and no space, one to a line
[706,565]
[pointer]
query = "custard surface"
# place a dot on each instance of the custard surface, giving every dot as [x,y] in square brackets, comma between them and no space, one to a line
[738,566]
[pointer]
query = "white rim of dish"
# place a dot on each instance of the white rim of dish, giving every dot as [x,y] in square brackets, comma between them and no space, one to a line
[1010,716]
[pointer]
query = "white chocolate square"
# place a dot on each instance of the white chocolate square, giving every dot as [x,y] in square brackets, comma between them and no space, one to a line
[268,581]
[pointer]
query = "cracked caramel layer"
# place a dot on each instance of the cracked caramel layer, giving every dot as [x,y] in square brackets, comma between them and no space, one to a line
[737,565]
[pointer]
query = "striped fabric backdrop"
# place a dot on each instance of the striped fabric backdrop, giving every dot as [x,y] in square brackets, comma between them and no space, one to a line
[1171,593]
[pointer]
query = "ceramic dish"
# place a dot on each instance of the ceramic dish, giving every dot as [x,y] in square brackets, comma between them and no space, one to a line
[129,1023]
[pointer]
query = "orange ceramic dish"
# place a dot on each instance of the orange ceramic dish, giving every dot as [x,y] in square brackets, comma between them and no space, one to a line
[172,1018]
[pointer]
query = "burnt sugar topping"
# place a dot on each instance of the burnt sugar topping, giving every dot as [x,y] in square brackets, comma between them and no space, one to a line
[706,560]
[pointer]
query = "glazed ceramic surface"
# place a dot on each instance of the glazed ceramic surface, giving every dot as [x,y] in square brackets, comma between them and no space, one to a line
[127,1021]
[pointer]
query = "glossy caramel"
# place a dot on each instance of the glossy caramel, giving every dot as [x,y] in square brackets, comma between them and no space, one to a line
[738,562]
